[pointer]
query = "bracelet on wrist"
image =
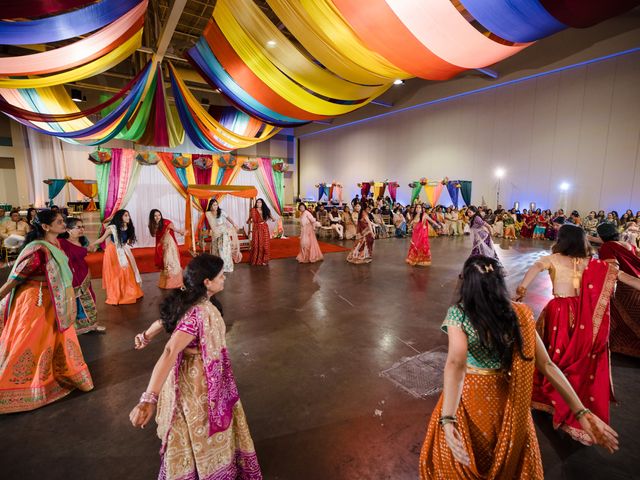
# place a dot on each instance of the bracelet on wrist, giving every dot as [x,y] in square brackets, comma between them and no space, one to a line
[149,397]
[143,338]
[444,419]
[581,413]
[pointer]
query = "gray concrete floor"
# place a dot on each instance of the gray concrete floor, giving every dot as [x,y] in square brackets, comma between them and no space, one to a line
[308,343]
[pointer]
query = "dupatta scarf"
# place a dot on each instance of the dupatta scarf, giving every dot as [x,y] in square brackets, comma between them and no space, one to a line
[162,229]
[59,280]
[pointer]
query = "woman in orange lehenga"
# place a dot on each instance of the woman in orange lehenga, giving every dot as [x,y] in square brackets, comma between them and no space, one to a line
[260,236]
[40,358]
[574,327]
[419,250]
[167,255]
[481,427]
[120,275]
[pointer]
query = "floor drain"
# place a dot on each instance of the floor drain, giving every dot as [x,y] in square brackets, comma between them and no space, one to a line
[421,375]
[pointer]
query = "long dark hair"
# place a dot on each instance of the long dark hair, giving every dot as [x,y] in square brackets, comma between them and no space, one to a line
[266,213]
[176,304]
[71,222]
[29,210]
[363,209]
[130,231]
[153,225]
[219,211]
[484,299]
[572,242]
[43,217]
[476,213]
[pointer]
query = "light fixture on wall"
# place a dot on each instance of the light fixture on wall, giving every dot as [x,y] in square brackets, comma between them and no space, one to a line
[499,173]
[564,186]
[76,96]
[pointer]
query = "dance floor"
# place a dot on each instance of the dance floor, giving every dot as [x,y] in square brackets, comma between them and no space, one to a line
[280,248]
[308,344]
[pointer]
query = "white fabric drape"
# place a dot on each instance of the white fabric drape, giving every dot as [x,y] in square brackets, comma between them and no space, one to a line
[48,157]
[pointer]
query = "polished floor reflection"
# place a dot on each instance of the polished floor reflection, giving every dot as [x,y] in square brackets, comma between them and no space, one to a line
[308,343]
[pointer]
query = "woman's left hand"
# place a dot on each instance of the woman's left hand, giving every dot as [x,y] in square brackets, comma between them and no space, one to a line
[600,433]
[456,444]
[141,414]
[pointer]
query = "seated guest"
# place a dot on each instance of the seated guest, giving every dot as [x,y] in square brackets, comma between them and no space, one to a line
[349,224]
[378,223]
[336,222]
[453,225]
[321,215]
[590,224]
[14,231]
[3,216]
[399,223]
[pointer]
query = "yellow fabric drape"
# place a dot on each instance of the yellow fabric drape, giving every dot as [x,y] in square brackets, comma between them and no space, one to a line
[320,28]
[88,70]
[286,77]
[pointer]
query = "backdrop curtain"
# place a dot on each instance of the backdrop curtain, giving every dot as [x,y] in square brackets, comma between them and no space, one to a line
[364,189]
[452,188]
[465,191]
[393,190]
[55,187]
[278,181]
[415,192]
[265,177]
[433,193]
[117,181]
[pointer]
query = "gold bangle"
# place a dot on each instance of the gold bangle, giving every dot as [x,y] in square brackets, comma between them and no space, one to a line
[581,413]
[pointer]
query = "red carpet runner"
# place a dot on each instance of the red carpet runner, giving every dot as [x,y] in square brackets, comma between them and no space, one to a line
[280,248]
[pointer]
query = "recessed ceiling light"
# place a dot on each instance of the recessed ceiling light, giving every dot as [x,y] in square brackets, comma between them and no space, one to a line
[397,81]
[271,43]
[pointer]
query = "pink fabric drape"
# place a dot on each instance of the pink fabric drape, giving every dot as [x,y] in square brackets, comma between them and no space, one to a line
[265,178]
[393,190]
[123,165]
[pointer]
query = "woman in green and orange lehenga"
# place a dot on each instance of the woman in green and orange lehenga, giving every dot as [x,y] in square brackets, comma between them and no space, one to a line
[40,358]
[481,427]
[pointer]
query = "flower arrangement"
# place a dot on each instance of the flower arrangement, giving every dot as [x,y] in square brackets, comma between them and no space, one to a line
[250,165]
[227,161]
[423,181]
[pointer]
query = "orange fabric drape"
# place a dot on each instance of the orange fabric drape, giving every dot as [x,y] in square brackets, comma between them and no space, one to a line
[208,191]
[88,190]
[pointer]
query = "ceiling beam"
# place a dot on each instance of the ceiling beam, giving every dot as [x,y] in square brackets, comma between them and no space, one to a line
[168,29]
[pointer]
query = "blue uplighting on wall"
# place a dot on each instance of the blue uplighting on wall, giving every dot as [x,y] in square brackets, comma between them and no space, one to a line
[473,92]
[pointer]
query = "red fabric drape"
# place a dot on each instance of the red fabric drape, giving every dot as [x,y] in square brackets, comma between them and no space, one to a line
[38,8]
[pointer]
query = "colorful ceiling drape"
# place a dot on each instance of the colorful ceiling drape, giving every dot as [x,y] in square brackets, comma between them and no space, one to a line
[117,180]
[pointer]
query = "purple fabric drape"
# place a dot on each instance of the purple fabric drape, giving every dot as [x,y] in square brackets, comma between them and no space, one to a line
[114,178]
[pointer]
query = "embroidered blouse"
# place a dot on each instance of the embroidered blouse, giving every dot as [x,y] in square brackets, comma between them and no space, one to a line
[477,354]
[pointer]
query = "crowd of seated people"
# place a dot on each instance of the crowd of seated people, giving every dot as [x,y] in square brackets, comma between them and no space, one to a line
[395,219]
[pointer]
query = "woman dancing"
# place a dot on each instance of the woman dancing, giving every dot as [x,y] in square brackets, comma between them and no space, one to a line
[481,234]
[362,251]
[74,244]
[120,275]
[574,327]
[309,248]
[260,237]
[419,250]
[224,235]
[167,256]
[481,427]
[201,422]
[40,358]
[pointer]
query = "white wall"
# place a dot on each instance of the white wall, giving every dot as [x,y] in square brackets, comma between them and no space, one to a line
[580,126]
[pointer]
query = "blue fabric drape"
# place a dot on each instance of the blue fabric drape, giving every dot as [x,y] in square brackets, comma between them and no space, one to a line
[514,20]
[453,192]
[66,25]
[55,187]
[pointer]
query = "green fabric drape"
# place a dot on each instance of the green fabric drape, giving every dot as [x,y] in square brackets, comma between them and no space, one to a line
[278,180]
[55,187]
[137,128]
[415,192]
[465,191]
[102,177]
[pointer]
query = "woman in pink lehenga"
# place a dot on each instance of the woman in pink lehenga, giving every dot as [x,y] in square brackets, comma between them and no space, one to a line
[309,248]
[362,251]
[419,250]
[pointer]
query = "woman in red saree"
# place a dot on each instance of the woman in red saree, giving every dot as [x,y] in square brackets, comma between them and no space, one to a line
[260,236]
[40,358]
[362,251]
[419,250]
[481,427]
[625,306]
[574,327]
[528,225]
[167,255]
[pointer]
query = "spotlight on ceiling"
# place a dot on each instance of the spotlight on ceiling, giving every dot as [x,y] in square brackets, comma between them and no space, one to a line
[76,96]
[271,43]
[500,172]
[564,186]
[398,81]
